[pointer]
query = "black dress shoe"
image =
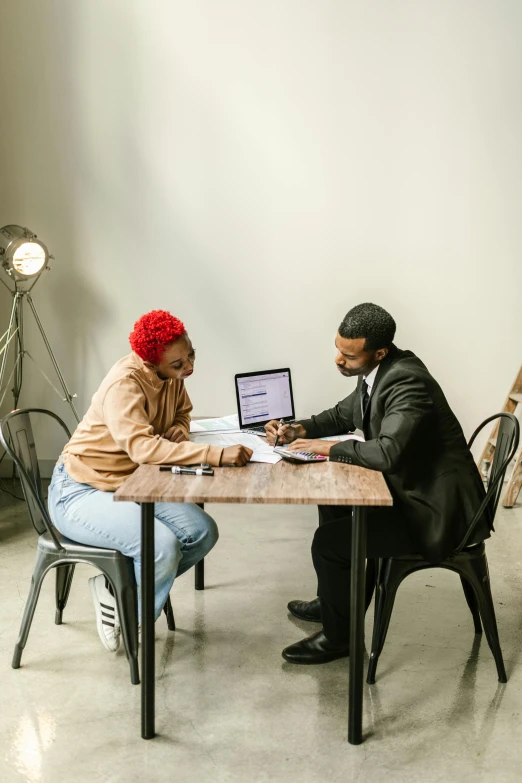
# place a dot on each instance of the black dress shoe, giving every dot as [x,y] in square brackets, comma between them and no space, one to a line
[315,649]
[306,610]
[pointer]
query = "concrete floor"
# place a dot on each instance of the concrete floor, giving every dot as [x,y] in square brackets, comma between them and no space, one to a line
[228,707]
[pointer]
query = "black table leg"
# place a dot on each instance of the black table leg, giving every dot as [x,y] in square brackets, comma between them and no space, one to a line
[199,575]
[199,569]
[355,696]
[147,621]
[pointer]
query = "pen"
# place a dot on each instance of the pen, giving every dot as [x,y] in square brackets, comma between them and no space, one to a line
[281,422]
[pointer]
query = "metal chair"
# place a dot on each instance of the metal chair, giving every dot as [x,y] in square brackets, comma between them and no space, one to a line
[469,562]
[56,551]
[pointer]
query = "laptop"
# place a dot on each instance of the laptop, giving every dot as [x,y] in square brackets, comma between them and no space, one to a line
[263,396]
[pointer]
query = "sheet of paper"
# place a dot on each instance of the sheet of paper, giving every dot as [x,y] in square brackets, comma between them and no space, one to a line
[262,451]
[227,423]
[265,457]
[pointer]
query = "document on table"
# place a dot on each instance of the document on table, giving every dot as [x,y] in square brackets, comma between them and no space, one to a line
[223,423]
[262,451]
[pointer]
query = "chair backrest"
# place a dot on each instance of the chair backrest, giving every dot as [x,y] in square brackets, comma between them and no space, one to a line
[508,437]
[16,436]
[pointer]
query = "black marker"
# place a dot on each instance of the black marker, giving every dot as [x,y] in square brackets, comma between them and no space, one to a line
[184,471]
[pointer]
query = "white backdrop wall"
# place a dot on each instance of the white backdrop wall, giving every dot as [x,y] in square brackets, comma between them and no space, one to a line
[259,168]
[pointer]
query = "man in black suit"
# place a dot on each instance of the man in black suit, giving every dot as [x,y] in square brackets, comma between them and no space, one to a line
[414,439]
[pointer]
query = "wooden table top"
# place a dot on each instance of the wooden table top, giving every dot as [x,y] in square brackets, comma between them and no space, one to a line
[325,483]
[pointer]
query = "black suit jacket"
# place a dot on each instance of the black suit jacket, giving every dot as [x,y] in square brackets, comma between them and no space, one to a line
[414,438]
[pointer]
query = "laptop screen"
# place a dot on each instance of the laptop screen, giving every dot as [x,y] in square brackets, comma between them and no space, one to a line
[262,396]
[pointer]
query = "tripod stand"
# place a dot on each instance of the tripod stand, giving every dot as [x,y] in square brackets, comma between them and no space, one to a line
[15,334]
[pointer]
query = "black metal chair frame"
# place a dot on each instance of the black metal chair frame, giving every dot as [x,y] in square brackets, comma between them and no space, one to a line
[56,551]
[469,562]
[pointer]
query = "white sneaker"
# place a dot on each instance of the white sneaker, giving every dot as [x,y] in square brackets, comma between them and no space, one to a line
[107,620]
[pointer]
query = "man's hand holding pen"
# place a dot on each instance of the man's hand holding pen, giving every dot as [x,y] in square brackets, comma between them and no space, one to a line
[278,434]
[284,433]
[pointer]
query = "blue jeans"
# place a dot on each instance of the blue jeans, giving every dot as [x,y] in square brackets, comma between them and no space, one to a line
[183,532]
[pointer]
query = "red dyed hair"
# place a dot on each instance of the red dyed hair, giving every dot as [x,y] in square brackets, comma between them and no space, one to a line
[153,332]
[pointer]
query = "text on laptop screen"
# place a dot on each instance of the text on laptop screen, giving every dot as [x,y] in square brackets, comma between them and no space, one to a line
[264,397]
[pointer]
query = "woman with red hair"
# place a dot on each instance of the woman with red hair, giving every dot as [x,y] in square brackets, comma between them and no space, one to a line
[139,415]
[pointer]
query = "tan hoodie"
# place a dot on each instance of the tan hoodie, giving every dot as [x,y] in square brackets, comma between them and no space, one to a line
[123,427]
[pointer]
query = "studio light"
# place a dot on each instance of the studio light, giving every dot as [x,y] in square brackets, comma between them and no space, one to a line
[24,257]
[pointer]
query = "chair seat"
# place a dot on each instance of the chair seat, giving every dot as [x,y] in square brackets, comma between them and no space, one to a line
[472,551]
[74,549]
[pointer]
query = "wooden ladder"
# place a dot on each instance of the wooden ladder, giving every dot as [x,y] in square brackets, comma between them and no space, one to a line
[511,405]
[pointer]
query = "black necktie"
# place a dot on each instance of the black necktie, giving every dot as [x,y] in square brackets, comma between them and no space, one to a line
[365,397]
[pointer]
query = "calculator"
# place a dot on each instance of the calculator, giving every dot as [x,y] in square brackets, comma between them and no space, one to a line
[299,456]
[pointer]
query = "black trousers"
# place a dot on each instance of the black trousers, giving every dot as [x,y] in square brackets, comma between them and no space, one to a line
[387,536]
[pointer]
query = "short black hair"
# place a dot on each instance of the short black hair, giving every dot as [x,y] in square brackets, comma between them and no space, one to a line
[370,321]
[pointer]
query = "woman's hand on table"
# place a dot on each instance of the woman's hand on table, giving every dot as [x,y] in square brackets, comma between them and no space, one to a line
[235,456]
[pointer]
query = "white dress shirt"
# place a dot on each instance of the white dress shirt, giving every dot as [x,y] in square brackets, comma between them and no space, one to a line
[370,379]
